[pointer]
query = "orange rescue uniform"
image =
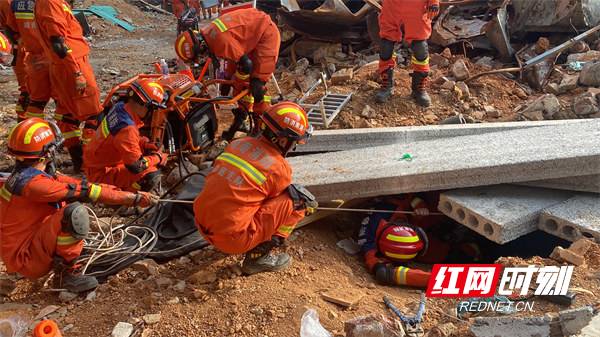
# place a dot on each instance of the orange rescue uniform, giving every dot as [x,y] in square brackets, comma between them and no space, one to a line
[413,15]
[22,20]
[178,7]
[54,18]
[250,32]
[245,200]
[31,208]
[20,67]
[115,144]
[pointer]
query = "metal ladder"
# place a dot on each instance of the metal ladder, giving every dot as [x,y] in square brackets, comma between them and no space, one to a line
[324,111]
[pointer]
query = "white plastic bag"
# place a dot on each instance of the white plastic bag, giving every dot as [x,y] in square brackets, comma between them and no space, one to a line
[310,326]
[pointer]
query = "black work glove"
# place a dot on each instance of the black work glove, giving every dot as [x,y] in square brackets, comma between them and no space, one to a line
[257,89]
[245,64]
[384,273]
[302,198]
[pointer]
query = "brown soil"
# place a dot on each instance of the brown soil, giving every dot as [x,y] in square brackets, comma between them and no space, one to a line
[264,304]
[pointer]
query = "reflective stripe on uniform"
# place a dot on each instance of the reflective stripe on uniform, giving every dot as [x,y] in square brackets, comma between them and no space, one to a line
[220,25]
[31,130]
[58,117]
[85,141]
[400,256]
[238,162]
[241,76]
[24,16]
[94,192]
[104,127]
[415,202]
[136,186]
[72,134]
[401,275]
[421,63]
[266,98]
[66,8]
[285,229]
[5,194]
[30,114]
[397,238]
[248,99]
[66,240]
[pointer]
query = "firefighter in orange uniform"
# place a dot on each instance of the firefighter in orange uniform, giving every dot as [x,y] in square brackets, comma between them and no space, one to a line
[117,154]
[416,15]
[248,204]
[71,75]
[388,241]
[42,219]
[22,21]
[178,7]
[249,40]
[19,62]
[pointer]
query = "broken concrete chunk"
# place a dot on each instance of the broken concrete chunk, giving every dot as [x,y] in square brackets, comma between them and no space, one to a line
[459,70]
[439,60]
[373,325]
[122,329]
[583,57]
[485,62]
[585,104]
[581,246]
[537,115]
[148,266]
[553,88]
[151,318]
[449,85]
[564,255]
[573,320]
[490,111]
[342,76]
[464,90]
[368,112]
[579,47]
[590,74]
[67,296]
[547,103]
[574,218]
[569,82]
[301,66]
[343,297]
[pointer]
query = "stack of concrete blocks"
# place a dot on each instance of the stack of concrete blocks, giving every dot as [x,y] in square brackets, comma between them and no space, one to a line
[349,164]
[574,218]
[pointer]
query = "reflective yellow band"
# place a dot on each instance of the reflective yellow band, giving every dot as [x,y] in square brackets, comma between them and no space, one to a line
[34,114]
[136,186]
[179,45]
[285,229]
[94,192]
[248,99]
[294,111]
[400,256]
[19,107]
[66,9]
[415,202]
[220,25]
[31,130]
[104,128]
[66,240]
[236,161]
[85,141]
[420,63]
[5,194]
[241,76]
[266,98]
[58,117]
[72,134]
[396,238]
[24,16]
[401,275]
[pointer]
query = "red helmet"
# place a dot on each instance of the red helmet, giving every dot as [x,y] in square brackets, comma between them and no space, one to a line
[6,50]
[286,120]
[149,91]
[400,241]
[190,45]
[33,138]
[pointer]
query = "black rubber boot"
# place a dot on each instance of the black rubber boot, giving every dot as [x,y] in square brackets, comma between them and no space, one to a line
[240,119]
[76,153]
[387,86]
[261,259]
[419,81]
[76,221]
[67,275]
[150,181]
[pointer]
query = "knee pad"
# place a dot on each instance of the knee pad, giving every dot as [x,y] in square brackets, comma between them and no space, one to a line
[150,180]
[420,49]
[76,221]
[386,49]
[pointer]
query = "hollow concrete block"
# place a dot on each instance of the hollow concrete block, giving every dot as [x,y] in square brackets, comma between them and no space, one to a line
[501,213]
[574,218]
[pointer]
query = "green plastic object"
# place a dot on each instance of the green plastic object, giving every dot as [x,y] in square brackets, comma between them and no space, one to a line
[407,157]
[107,13]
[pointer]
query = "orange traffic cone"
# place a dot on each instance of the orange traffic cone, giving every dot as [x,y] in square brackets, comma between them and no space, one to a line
[46,328]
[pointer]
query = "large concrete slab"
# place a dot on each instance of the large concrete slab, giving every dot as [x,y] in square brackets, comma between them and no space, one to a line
[589,183]
[574,218]
[501,213]
[571,149]
[349,139]
[511,326]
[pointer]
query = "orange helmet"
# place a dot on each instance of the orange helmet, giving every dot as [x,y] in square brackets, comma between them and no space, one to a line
[286,120]
[33,138]
[400,241]
[6,51]
[190,45]
[149,91]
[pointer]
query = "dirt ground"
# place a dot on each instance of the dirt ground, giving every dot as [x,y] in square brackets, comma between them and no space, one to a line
[265,304]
